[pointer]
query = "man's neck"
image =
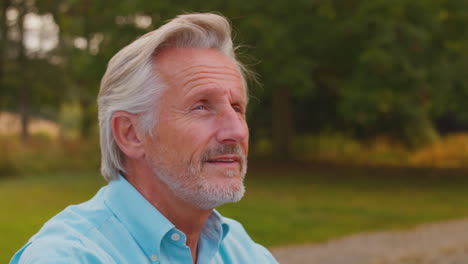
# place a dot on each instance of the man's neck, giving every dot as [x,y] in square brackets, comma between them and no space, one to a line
[184,216]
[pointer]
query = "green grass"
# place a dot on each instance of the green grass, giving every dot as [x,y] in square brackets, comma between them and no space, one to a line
[26,203]
[283,205]
[290,205]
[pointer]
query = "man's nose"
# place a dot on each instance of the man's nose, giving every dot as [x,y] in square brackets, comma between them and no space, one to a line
[232,127]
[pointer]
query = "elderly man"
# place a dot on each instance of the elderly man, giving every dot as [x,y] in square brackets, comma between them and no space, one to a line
[174,143]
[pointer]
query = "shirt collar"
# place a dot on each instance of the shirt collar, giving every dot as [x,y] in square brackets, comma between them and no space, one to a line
[214,220]
[145,223]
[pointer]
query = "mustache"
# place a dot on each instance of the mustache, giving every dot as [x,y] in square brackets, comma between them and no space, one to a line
[224,150]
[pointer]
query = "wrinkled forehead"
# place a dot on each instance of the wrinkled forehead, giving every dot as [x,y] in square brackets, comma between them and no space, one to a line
[176,64]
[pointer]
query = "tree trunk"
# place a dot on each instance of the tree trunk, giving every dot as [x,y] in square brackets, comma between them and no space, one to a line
[87,117]
[24,91]
[282,121]
[3,40]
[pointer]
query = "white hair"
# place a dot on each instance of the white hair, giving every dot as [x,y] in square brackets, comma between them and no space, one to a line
[132,84]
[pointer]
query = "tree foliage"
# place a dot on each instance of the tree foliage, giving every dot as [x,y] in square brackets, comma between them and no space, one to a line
[368,68]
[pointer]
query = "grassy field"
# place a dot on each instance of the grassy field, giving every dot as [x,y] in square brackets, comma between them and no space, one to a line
[283,205]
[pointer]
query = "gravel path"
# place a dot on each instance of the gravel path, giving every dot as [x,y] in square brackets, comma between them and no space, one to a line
[437,243]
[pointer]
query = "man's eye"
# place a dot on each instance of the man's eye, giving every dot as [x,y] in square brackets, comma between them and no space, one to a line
[199,107]
[237,108]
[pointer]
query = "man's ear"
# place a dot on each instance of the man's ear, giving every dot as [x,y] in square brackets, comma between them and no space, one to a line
[126,134]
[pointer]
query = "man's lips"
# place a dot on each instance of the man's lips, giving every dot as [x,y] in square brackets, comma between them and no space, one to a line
[225,159]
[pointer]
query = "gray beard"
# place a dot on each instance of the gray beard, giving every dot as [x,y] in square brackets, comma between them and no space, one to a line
[193,188]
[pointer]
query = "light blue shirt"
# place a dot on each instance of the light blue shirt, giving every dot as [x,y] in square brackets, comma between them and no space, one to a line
[118,225]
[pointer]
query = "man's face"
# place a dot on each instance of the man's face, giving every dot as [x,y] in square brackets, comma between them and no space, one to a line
[200,143]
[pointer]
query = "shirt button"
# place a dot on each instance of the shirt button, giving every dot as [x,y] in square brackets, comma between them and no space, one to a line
[175,237]
[154,258]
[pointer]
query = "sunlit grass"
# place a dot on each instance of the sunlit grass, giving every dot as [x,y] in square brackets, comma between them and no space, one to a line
[309,205]
[41,153]
[450,152]
[283,205]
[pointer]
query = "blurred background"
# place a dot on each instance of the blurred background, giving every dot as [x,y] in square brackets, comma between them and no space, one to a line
[360,122]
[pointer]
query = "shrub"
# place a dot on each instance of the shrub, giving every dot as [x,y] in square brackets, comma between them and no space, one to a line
[41,153]
[450,151]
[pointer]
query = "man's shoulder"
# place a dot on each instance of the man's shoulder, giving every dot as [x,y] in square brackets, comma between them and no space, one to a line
[69,234]
[56,250]
[76,220]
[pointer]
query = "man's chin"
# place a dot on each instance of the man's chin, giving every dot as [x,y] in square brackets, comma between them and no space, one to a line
[209,204]
[214,194]
[228,180]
